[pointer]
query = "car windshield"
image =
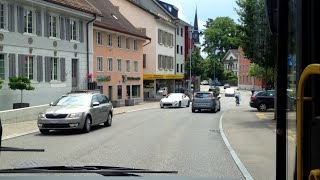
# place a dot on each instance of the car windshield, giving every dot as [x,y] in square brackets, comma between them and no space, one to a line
[202,95]
[81,100]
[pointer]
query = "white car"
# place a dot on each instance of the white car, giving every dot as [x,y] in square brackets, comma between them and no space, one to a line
[175,100]
[229,92]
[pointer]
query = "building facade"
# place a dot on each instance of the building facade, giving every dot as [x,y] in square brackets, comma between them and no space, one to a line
[118,55]
[159,69]
[230,61]
[244,79]
[45,41]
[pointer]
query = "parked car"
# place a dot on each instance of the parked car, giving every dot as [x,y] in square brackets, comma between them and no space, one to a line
[229,92]
[206,100]
[264,100]
[211,88]
[205,82]
[175,100]
[76,111]
[225,86]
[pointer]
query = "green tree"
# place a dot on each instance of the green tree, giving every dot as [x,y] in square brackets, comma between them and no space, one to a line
[230,78]
[214,68]
[20,83]
[264,74]
[220,35]
[1,82]
[257,41]
[197,64]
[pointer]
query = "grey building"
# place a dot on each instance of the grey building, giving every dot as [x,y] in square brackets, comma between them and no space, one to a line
[48,41]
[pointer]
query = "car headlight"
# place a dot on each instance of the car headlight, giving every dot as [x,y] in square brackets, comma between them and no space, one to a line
[74,115]
[42,115]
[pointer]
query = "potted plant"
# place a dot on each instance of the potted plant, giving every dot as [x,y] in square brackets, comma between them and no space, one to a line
[20,83]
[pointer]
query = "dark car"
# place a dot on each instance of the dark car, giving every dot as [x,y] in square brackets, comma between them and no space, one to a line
[264,100]
[206,100]
[225,86]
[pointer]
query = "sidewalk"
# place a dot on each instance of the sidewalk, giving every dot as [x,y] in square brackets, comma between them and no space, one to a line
[27,127]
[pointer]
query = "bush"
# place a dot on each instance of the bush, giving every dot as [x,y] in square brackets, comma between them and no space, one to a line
[20,83]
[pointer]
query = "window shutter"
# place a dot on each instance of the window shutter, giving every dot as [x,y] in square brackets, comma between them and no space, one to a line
[62,69]
[21,65]
[39,69]
[12,65]
[11,18]
[159,61]
[68,30]
[39,26]
[159,36]
[46,25]
[144,60]
[20,18]
[81,31]
[47,69]
[62,28]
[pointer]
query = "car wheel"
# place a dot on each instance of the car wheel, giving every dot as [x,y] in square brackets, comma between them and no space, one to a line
[44,131]
[193,110]
[188,104]
[179,104]
[109,120]
[161,106]
[214,110]
[262,107]
[87,125]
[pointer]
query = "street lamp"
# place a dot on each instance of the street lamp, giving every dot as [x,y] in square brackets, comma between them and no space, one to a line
[190,54]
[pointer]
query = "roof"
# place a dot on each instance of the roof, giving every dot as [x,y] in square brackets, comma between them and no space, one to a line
[113,20]
[81,5]
[233,51]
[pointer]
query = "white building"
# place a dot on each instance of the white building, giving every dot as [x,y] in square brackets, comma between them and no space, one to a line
[45,41]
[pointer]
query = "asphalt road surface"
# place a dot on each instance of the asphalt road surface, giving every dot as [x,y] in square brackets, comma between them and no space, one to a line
[159,139]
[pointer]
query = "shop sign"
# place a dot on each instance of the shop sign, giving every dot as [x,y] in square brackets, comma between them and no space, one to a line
[103,78]
[162,76]
[133,78]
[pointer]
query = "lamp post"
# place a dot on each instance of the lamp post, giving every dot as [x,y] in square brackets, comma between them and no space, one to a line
[190,55]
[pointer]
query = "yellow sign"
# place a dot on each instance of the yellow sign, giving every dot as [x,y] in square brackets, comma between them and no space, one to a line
[162,76]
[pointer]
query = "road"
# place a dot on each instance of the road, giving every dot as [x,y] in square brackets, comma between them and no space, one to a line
[162,139]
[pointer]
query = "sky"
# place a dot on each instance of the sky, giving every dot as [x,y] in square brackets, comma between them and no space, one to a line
[206,9]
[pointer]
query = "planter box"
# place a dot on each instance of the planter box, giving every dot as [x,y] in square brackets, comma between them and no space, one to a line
[129,102]
[20,105]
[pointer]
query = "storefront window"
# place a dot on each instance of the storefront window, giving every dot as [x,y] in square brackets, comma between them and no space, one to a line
[136,91]
[128,91]
[119,91]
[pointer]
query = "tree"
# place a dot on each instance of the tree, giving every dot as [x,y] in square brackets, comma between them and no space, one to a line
[197,64]
[20,83]
[221,35]
[214,68]
[264,74]
[256,40]
[230,78]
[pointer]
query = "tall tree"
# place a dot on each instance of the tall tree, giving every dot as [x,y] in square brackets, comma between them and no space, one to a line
[220,35]
[197,64]
[257,41]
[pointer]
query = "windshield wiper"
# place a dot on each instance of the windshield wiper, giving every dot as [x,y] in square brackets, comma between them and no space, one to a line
[102,170]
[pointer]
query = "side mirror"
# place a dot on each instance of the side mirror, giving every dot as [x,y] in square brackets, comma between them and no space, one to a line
[95,104]
[51,104]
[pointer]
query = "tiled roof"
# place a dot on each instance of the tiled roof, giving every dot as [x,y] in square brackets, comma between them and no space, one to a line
[233,51]
[112,19]
[81,5]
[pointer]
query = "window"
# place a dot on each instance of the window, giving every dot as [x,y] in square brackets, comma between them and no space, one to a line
[2,67]
[128,91]
[182,32]
[119,91]
[99,38]
[110,64]
[53,30]
[28,69]
[181,49]
[2,16]
[119,65]
[54,68]
[236,66]
[29,21]
[127,65]
[135,91]
[178,30]
[171,40]
[159,36]
[135,66]
[99,64]
[110,40]
[119,41]
[247,78]
[177,49]
[135,45]
[181,69]
[100,87]
[177,68]
[159,61]
[128,43]
[73,28]
[247,67]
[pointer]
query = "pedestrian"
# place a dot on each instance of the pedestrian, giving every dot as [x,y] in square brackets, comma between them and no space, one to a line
[237,97]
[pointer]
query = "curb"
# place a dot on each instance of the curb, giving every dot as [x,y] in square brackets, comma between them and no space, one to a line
[233,153]
[34,131]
